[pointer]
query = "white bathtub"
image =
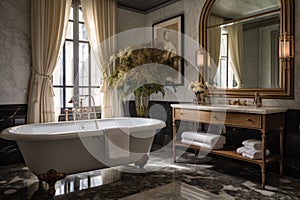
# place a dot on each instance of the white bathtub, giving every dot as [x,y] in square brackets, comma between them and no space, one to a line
[72,147]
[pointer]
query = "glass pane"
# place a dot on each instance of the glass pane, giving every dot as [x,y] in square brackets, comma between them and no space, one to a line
[70,31]
[80,15]
[83,73]
[58,99]
[83,91]
[58,71]
[71,14]
[224,73]
[69,95]
[96,79]
[69,64]
[224,44]
[95,92]
[82,32]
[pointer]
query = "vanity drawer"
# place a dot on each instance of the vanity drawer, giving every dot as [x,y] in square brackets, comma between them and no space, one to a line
[243,120]
[191,115]
[198,115]
[229,119]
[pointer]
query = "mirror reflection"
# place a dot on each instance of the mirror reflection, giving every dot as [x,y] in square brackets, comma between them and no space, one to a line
[242,42]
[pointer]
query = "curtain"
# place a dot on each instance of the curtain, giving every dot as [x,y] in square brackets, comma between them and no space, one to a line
[214,44]
[48,27]
[235,44]
[100,19]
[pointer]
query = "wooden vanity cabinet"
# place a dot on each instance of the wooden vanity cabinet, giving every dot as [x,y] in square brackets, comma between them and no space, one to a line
[262,119]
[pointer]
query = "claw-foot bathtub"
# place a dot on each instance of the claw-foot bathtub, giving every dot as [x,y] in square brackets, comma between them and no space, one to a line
[53,150]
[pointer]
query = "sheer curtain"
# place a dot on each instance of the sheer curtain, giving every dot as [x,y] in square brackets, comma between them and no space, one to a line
[214,43]
[48,27]
[100,19]
[235,44]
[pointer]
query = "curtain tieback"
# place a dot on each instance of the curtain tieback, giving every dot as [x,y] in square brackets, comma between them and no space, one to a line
[41,75]
[45,77]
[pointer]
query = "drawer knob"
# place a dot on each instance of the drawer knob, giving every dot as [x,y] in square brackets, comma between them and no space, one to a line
[250,120]
[215,117]
[181,113]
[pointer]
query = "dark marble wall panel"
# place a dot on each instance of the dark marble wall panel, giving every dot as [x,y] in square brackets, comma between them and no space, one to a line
[11,115]
[292,144]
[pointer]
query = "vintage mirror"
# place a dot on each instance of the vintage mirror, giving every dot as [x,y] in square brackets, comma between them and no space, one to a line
[241,40]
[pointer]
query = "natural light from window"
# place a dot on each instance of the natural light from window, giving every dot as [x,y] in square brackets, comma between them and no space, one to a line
[76,72]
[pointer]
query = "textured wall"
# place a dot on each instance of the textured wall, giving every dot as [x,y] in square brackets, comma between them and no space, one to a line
[15,52]
[129,20]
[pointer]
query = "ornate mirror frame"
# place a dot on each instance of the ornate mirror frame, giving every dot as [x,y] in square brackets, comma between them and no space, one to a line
[286,91]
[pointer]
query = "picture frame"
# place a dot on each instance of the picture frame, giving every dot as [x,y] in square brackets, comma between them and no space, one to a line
[171,41]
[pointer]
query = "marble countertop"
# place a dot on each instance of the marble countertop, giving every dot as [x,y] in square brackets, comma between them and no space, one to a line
[231,108]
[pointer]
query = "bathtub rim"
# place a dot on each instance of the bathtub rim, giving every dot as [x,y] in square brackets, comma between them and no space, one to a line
[9,134]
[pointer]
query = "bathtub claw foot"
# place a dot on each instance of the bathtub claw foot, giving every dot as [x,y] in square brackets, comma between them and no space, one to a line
[51,177]
[142,162]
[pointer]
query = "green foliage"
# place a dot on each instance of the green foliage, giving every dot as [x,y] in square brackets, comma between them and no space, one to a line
[139,71]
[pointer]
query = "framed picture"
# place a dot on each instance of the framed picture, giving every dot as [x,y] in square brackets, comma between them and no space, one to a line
[167,35]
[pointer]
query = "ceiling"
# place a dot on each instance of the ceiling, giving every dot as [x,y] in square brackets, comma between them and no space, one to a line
[232,9]
[144,6]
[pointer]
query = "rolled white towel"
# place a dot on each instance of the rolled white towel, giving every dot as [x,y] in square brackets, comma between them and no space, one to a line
[207,146]
[241,150]
[251,152]
[255,154]
[202,137]
[253,144]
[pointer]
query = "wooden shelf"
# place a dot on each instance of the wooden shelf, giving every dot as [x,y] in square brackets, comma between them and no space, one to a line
[229,152]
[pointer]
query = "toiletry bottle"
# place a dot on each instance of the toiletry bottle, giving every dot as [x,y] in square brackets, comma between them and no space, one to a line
[257,100]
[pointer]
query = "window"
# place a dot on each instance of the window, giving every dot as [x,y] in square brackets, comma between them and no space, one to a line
[224,76]
[76,72]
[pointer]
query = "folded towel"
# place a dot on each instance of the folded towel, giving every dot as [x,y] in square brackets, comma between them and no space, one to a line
[202,137]
[241,150]
[253,144]
[251,152]
[207,146]
[117,142]
[256,156]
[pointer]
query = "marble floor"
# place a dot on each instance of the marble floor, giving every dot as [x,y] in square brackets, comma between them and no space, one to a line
[190,178]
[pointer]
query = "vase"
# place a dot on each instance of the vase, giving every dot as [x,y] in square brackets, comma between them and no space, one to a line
[142,105]
[200,98]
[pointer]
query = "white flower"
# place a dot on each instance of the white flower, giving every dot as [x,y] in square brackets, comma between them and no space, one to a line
[197,87]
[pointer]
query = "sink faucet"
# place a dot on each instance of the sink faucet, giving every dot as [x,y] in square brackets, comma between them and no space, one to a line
[257,100]
[238,102]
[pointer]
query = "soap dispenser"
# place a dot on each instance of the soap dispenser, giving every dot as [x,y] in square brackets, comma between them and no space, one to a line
[257,100]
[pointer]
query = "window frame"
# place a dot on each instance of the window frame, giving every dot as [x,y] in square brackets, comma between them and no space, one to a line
[76,61]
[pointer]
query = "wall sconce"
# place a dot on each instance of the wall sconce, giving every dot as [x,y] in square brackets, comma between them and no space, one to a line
[200,58]
[203,62]
[286,46]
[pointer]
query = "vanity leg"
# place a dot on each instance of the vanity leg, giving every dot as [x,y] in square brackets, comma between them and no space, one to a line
[263,165]
[281,132]
[263,176]
[174,139]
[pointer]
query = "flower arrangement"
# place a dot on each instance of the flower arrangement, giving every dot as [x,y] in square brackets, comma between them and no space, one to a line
[138,71]
[200,89]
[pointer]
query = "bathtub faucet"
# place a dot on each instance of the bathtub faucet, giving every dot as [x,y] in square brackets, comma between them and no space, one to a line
[81,110]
